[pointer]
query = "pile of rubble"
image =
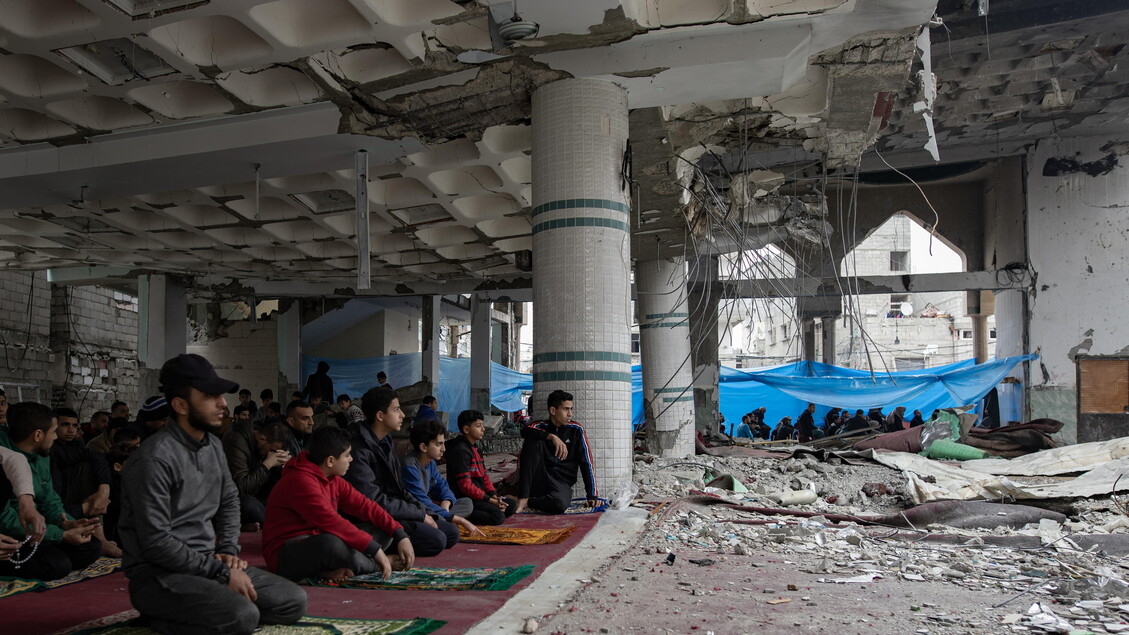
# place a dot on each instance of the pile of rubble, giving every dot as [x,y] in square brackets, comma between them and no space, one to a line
[1041,576]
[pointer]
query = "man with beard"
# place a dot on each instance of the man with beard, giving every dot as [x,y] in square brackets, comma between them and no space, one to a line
[68,544]
[179,521]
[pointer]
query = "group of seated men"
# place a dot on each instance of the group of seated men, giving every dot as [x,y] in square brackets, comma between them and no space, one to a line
[335,502]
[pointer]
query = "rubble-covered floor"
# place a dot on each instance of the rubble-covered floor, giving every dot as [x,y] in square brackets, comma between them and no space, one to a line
[795,574]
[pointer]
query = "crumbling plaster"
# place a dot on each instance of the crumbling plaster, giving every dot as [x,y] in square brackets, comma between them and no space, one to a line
[1078,240]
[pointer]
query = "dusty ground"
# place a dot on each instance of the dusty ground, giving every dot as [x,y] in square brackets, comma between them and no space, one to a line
[787,574]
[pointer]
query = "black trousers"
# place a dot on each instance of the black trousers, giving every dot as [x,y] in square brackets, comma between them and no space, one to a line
[184,604]
[53,560]
[547,492]
[426,541]
[485,513]
[251,509]
[308,557]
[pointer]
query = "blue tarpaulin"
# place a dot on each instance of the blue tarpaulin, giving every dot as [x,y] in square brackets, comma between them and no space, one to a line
[783,390]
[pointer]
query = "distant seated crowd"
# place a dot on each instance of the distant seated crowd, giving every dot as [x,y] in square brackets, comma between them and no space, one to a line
[326,486]
[836,421]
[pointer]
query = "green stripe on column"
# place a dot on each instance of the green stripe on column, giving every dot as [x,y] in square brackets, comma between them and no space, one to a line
[659,316]
[582,356]
[659,391]
[584,221]
[656,325]
[677,399]
[582,375]
[580,203]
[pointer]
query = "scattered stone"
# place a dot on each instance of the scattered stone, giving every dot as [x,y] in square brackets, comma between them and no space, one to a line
[530,626]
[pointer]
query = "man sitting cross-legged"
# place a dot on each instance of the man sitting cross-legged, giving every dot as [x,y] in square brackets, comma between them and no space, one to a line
[551,455]
[255,458]
[468,473]
[423,480]
[306,535]
[376,472]
[179,522]
[81,476]
[68,544]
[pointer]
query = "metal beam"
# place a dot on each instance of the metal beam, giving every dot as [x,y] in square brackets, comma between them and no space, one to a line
[910,283]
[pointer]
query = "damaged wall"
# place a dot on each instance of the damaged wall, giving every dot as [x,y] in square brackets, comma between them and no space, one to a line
[94,342]
[25,329]
[248,355]
[1078,242]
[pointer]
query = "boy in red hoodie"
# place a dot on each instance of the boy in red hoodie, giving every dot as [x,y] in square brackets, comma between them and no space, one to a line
[305,535]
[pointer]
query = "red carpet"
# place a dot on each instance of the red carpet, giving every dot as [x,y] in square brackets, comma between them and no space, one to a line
[46,612]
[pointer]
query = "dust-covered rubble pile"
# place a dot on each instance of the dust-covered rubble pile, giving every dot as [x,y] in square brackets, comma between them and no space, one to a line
[1057,587]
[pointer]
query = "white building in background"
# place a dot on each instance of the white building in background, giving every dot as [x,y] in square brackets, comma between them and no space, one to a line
[873,332]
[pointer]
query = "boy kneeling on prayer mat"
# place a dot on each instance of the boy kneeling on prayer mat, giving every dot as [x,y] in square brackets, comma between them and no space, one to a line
[305,534]
[468,473]
[423,480]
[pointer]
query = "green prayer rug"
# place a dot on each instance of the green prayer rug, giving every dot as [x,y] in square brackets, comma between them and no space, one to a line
[306,626]
[435,579]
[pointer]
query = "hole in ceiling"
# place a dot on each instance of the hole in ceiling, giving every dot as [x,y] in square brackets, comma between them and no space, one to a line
[153,8]
[421,214]
[325,201]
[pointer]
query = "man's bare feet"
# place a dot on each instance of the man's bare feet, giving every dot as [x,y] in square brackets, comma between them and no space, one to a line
[251,527]
[110,549]
[522,504]
[338,575]
[397,562]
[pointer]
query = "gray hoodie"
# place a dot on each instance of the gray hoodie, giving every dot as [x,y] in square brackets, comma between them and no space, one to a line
[179,506]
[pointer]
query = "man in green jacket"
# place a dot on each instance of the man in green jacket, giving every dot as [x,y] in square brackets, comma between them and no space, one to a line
[68,544]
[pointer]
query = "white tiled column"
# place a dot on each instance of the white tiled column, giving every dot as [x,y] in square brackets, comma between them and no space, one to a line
[664,340]
[582,265]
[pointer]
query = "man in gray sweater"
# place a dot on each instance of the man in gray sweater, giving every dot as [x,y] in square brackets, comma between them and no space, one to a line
[179,522]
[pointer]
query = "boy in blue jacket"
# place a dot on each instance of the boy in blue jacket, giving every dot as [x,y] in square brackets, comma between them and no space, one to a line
[424,482]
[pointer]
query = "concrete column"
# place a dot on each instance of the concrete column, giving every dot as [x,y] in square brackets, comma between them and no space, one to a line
[582,265]
[703,343]
[664,339]
[430,316]
[163,320]
[829,343]
[162,327]
[289,338]
[980,337]
[807,338]
[480,354]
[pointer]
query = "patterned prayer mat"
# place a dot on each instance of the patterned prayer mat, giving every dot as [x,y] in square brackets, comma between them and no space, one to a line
[516,536]
[578,506]
[306,626]
[12,586]
[100,567]
[435,579]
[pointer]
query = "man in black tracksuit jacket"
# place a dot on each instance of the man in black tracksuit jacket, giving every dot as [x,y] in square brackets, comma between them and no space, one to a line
[553,453]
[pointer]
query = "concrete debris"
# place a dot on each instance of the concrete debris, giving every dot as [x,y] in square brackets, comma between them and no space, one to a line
[530,626]
[1092,583]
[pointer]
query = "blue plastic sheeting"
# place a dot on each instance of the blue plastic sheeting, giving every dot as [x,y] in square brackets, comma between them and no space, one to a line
[355,376]
[784,391]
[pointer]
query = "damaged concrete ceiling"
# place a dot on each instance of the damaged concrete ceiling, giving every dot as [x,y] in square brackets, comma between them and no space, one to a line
[216,139]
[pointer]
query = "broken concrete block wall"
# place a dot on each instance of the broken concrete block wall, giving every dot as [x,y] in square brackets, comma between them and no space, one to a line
[94,343]
[25,328]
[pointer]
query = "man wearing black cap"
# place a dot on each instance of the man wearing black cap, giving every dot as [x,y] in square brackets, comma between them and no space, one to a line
[180,521]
